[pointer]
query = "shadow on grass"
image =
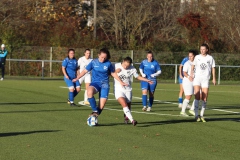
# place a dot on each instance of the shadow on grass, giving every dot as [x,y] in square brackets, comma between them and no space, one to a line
[25,133]
[209,120]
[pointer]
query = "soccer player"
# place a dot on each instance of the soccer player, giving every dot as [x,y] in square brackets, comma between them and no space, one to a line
[150,69]
[69,69]
[82,63]
[101,68]
[204,65]
[180,79]
[125,71]
[3,55]
[187,83]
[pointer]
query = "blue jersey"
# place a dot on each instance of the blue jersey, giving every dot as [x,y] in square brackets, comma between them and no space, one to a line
[71,67]
[183,62]
[100,70]
[150,68]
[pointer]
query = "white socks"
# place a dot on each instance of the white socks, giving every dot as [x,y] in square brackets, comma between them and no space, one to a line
[185,104]
[128,113]
[85,96]
[193,105]
[203,108]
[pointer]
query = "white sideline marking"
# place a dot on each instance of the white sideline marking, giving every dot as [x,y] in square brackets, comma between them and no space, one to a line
[220,110]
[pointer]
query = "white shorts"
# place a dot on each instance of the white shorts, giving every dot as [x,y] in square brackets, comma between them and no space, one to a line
[187,87]
[203,82]
[86,78]
[125,94]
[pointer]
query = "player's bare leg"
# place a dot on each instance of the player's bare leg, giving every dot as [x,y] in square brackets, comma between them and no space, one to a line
[204,102]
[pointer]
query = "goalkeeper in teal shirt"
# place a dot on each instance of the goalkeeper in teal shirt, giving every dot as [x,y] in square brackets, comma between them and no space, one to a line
[3,55]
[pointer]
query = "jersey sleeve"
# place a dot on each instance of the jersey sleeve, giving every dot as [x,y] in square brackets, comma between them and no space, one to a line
[79,62]
[134,73]
[195,60]
[158,68]
[89,67]
[64,63]
[213,63]
[111,68]
[184,61]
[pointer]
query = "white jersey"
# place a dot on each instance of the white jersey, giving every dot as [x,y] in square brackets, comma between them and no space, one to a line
[83,62]
[203,65]
[125,76]
[187,67]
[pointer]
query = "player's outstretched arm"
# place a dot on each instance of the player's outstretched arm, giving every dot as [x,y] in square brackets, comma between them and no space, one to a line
[144,79]
[156,74]
[80,75]
[114,74]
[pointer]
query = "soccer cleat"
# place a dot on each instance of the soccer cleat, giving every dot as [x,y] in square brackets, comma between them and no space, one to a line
[94,114]
[149,109]
[198,119]
[68,101]
[86,103]
[202,119]
[144,108]
[134,123]
[73,105]
[180,105]
[184,114]
[1,79]
[191,112]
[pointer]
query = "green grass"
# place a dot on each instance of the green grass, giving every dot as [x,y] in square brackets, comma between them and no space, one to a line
[36,123]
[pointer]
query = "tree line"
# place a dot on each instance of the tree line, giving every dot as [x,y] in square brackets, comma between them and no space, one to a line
[158,25]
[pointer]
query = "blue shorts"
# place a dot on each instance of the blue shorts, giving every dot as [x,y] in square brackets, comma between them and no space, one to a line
[147,86]
[179,80]
[71,84]
[102,88]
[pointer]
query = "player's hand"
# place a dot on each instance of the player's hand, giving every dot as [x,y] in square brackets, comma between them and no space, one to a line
[152,75]
[74,80]
[190,78]
[181,77]
[150,82]
[67,76]
[124,84]
[118,70]
[214,81]
[143,75]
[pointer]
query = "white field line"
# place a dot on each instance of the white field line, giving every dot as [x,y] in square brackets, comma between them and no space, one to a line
[220,110]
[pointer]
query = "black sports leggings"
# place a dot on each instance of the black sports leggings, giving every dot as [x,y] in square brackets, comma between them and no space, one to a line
[3,69]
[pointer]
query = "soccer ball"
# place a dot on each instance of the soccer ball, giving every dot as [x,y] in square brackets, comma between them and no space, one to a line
[92,121]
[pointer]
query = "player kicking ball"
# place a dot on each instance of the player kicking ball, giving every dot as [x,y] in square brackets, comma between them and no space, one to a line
[123,94]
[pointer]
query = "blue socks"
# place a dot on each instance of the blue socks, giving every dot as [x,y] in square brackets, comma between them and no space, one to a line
[75,93]
[144,100]
[180,100]
[150,103]
[71,96]
[93,105]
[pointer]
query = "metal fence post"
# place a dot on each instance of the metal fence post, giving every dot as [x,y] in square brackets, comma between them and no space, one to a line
[50,65]
[176,66]
[219,74]
[42,69]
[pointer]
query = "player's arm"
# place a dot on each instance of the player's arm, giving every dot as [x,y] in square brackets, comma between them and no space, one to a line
[4,54]
[156,74]
[141,70]
[64,72]
[114,74]
[188,76]
[80,75]
[214,75]
[192,71]
[144,79]
[180,71]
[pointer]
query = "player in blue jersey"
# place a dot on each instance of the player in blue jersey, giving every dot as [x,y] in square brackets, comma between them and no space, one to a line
[180,78]
[101,68]
[69,69]
[150,69]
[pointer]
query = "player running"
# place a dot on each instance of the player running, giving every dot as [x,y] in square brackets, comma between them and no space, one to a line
[150,69]
[180,79]
[101,68]
[204,64]
[82,63]
[124,94]
[69,69]
[187,83]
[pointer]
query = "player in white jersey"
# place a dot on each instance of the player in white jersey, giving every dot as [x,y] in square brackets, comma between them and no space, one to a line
[204,65]
[187,82]
[82,63]
[124,94]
